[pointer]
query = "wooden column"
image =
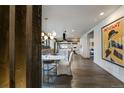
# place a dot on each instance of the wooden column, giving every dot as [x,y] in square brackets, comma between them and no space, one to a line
[12,46]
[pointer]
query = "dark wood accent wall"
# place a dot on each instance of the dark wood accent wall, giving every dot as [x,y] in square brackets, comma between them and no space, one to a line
[4,46]
[20,46]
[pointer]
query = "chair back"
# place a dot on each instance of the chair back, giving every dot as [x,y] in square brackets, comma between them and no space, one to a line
[70,57]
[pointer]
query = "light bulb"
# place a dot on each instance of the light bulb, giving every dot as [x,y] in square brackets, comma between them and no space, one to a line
[51,37]
[45,37]
[49,34]
[42,34]
[54,33]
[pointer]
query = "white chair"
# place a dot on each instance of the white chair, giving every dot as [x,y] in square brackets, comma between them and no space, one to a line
[64,67]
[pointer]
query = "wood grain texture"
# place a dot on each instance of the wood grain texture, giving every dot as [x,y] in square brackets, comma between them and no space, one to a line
[12,46]
[28,45]
[86,74]
[36,46]
[33,46]
[20,46]
[4,46]
[20,49]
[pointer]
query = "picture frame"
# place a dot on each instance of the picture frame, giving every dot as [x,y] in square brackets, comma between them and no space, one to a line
[112,36]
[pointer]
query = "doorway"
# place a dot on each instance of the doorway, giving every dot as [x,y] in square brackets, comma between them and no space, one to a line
[91,44]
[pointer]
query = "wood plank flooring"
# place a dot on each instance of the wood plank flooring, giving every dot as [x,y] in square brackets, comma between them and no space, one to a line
[86,74]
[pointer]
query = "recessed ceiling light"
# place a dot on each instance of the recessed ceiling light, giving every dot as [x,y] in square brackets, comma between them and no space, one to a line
[73,30]
[102,13]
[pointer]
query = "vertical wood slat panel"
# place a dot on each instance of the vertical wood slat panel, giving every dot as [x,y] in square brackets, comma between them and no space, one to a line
[33,45]
[4,46]
[36,46]
[20,46]
[12,46]
[29,46]
[30,65]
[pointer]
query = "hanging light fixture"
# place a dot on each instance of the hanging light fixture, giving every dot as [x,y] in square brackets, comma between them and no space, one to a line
[42,34]
[49,34]
[51,37]
[54,34]
[45,37]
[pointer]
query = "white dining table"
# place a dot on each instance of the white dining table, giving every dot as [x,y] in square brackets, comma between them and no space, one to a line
[52,57]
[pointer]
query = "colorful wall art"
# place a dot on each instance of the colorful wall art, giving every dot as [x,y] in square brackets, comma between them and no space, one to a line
[113,42]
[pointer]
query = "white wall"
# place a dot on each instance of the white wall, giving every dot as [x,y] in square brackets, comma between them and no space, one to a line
[115,70]
[84,51]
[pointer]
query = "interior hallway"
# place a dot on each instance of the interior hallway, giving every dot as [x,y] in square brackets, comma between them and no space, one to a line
[86,74]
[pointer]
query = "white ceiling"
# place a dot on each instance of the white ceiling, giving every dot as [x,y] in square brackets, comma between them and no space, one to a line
[76,19]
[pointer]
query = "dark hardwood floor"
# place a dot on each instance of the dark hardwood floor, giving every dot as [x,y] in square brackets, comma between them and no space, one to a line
[86,74]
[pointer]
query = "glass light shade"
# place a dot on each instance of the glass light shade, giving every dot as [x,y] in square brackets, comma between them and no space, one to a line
[51,37]
[42,34]
[49,34]
[45,37]
[54,34]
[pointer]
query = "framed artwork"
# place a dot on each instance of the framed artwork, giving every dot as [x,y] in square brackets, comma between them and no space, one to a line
[113,42]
